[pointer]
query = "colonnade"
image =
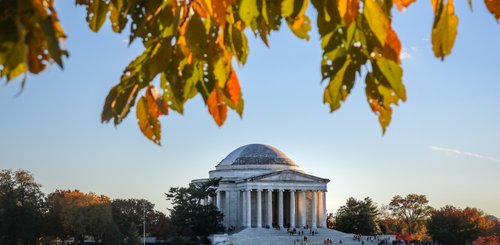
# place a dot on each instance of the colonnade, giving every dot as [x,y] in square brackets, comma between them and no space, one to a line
[297,207]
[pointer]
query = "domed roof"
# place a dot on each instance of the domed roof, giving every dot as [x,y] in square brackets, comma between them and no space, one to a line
[257,154]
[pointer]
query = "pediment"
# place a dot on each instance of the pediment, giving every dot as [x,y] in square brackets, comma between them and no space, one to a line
[287,176]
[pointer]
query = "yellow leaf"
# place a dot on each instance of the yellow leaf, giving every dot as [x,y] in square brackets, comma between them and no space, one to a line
[248,11]
[348,10]
[216,106]
[377,20]
[444,29]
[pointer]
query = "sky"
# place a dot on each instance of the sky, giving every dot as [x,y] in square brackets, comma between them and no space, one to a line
[443,142]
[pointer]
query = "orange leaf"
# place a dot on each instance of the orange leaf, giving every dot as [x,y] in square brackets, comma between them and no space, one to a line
[494,7]
[392,47]
[219,11]
[216,106]
[233,87]
[348,10]
[157,106]
[200,7]
[403,4]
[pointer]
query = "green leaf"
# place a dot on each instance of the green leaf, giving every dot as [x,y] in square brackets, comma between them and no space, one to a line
[393,74]
[50,34]
[96,14]
[196,38]
[238,43]
[444,30]
[332,94]
[377,20]
[119,101]
[248,11]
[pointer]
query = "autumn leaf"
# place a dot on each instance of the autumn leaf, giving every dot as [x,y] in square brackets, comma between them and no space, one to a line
[216,106]
[400,4]
[149,108]
[494,7]
[248,11]
[348,10]
[377,20]
[444,29]
[233,87]
[392,47]
[96,14]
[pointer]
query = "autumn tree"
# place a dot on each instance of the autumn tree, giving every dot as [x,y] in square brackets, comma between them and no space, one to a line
[450,225]
[412,210]
[189,216]
[191,46]
[82,213]
[357,216]
[388,222]
[22,207]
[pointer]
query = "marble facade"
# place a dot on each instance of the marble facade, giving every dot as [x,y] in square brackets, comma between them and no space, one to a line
[260,186]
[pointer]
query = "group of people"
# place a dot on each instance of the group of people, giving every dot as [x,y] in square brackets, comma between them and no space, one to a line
[231,228]
[329,241]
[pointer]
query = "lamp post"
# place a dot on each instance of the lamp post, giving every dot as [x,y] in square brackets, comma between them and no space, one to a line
[144,224]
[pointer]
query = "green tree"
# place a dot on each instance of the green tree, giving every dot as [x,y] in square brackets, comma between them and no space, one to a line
[22,207]
[412,211]
[357,216]
[188,216]
[191,45]
[128,215]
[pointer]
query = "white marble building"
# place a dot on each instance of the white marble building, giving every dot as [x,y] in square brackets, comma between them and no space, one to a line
[260,186]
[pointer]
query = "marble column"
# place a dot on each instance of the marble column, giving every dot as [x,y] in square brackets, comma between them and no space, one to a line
[243,208]
[249,208]
[226,204]
[304,207]
[313,210]
[292,208]
[270,207]
[280,208]
[259,208]
[219,204]
[323,219]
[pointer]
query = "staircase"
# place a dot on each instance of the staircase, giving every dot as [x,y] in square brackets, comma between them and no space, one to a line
[260,236]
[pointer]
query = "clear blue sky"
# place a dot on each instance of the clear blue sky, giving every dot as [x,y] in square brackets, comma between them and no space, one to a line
[444,142]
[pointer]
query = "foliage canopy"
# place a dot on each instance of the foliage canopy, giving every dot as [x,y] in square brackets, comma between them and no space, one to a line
[358,217]
[191,45]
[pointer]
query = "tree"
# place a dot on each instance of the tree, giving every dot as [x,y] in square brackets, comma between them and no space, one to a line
[22,207]
[128,215]
[188,216]
[82,213]
[450,225]
[358,217]
[190,45]
[388,223]
[412,211]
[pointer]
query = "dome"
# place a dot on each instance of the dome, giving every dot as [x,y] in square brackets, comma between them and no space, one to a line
[257,154]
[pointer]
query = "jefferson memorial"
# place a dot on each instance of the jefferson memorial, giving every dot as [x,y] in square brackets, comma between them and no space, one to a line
[261,187]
